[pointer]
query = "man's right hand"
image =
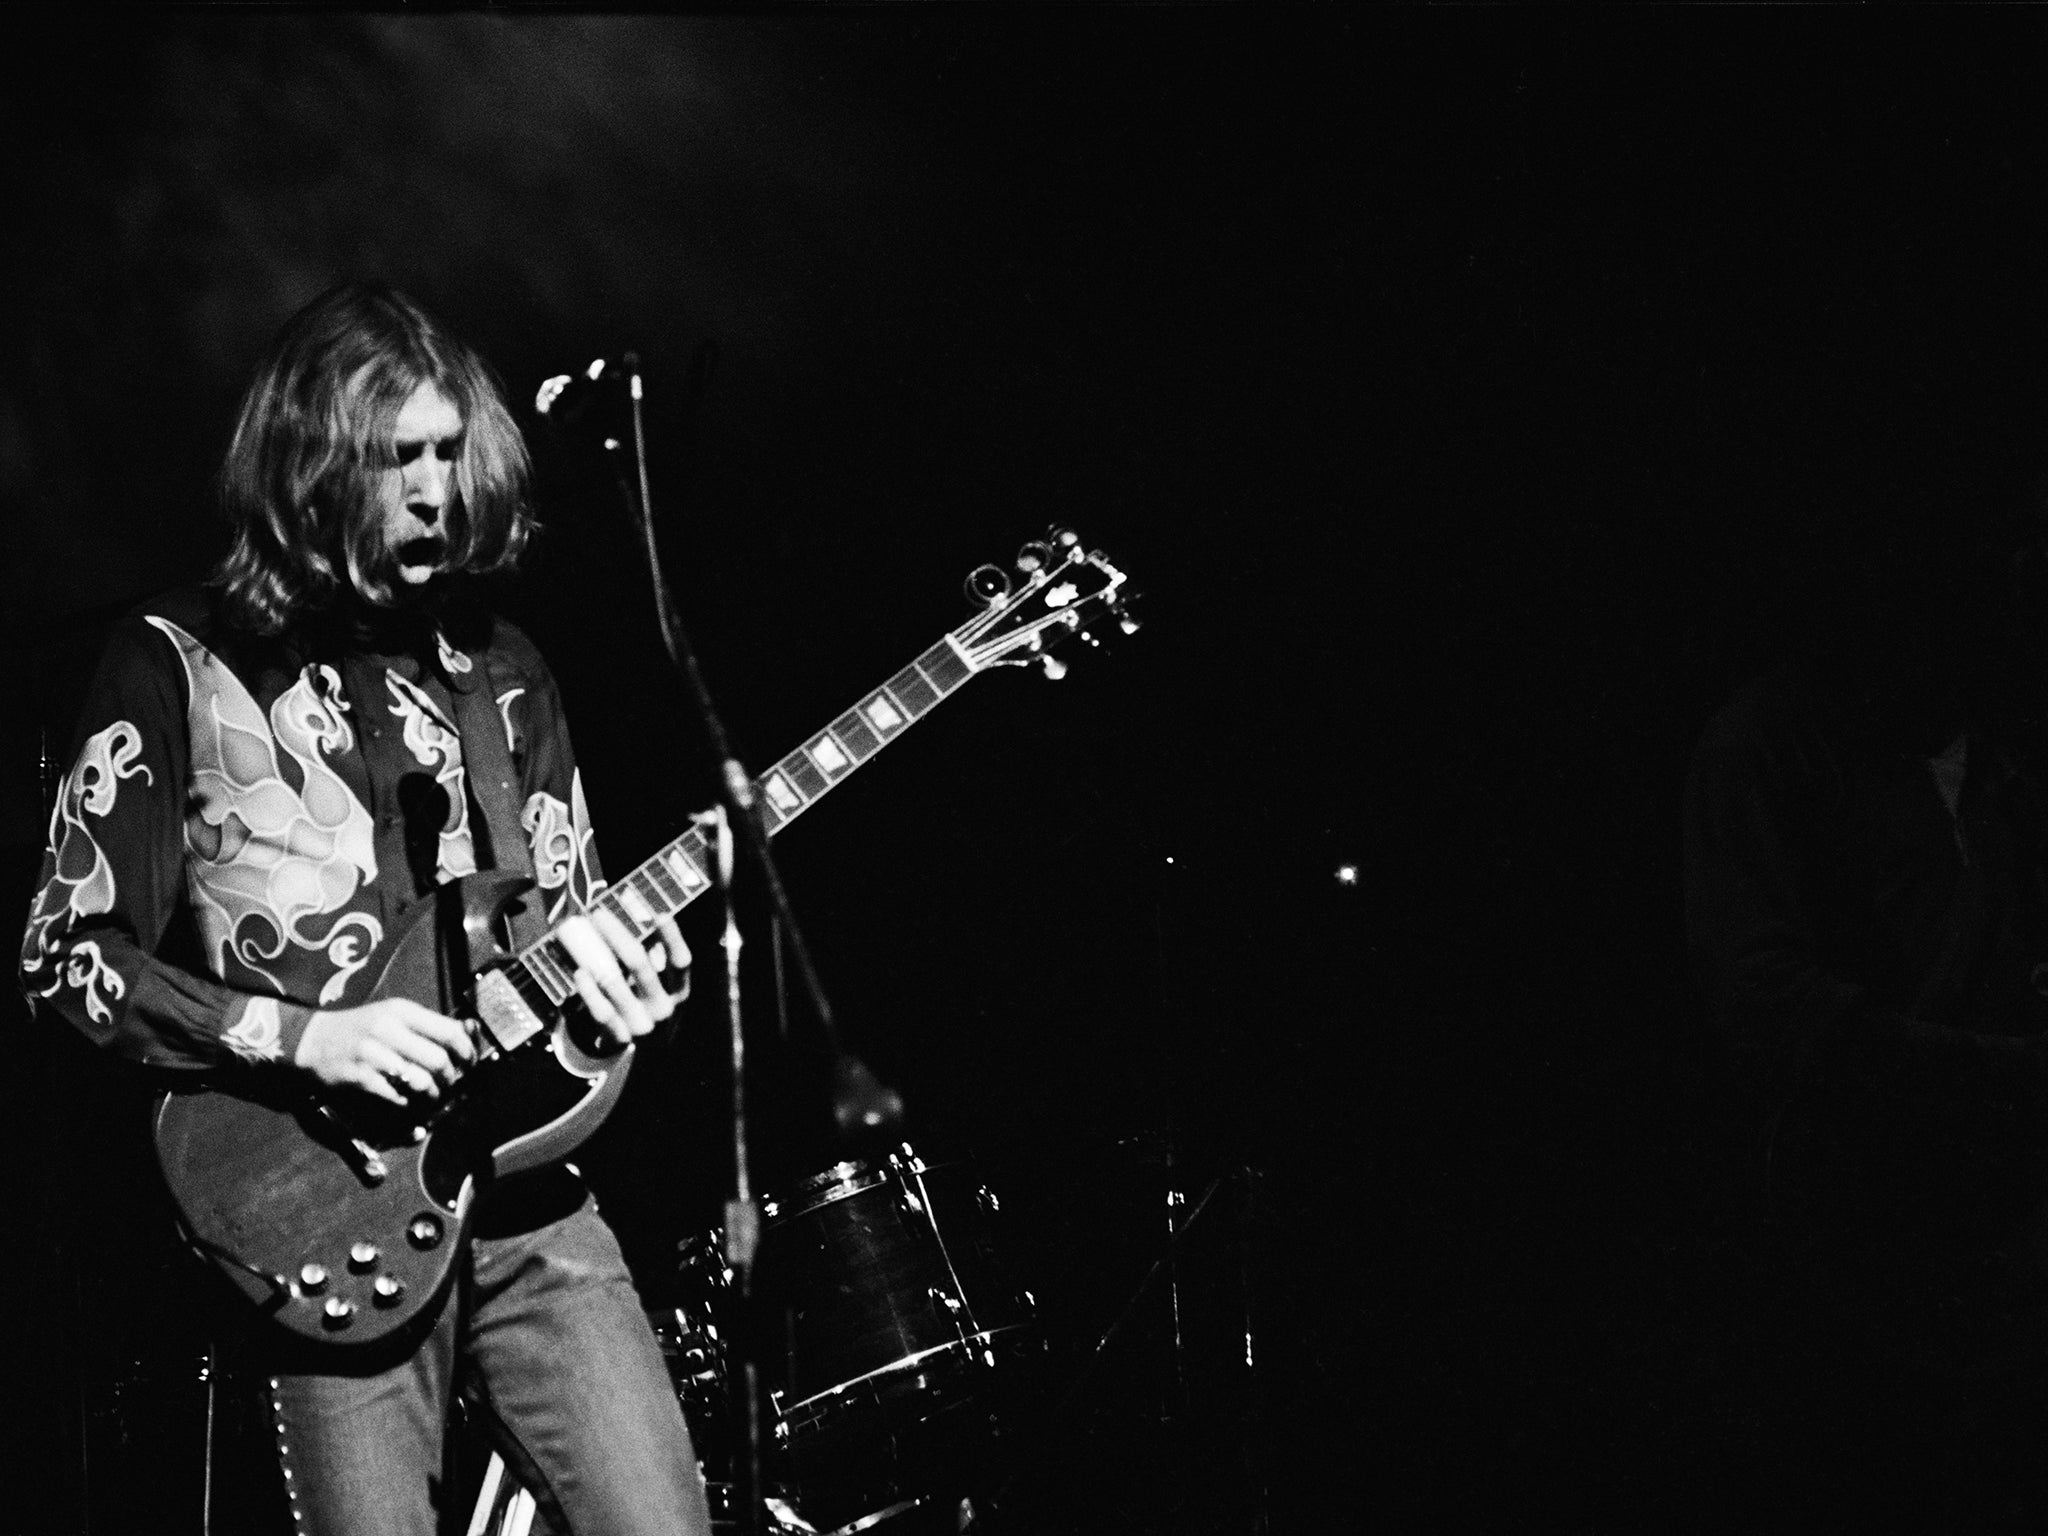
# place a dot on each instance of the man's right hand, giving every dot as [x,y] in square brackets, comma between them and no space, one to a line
[392,1048]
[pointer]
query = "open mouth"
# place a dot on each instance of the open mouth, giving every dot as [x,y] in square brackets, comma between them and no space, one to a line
[415,552]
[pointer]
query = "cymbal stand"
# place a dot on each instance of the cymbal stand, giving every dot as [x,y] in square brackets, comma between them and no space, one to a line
[1064,1412]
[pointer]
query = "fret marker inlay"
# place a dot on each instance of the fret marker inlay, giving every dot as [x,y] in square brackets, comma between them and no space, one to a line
[680,866]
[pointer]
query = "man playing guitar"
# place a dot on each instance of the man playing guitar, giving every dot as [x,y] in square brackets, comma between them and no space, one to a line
[274,774]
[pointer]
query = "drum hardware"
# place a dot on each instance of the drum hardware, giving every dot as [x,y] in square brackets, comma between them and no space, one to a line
[170,1440]
[869,1522]
[1064,1414]
[903,1329]
[503,1508]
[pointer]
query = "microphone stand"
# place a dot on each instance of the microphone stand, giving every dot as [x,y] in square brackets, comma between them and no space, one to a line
[860,1101]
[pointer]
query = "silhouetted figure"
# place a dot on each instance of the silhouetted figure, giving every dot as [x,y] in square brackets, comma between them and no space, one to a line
[1866,898]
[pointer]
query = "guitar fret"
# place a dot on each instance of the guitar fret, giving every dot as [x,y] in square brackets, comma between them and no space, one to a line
[684,863]
[609,902]
[780,793]
[547,963]
[672,895]
[809,782]
[942,664]
[853,733]
[910,690]
[529,988]
[884,714]
[629,899]
[830,756]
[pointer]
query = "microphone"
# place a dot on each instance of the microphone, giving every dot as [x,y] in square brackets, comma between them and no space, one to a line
[567,397]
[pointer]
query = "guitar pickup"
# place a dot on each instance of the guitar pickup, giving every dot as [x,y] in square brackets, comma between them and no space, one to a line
[504,1014]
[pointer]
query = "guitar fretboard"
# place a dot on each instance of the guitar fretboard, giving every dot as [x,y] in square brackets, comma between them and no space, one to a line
[680,872]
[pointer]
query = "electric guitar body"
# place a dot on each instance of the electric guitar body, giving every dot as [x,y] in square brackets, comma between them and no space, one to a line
[345,1225]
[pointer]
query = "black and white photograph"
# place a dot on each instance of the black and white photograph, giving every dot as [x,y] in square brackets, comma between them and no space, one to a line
[1459,935]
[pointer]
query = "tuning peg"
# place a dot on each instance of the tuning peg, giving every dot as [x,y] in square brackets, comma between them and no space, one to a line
[1128,622]
[1066,538]
[1054,667]
[986,584]
[1035,557]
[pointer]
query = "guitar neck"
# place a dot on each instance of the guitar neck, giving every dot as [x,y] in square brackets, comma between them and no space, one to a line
[680,872]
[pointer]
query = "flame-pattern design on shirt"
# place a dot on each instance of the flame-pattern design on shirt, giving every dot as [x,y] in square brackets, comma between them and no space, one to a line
[267,860]
[453,661]
[434,744]
[81,883]
[560,836]
[256,1037]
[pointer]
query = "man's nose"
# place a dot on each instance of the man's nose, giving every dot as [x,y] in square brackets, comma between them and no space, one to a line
[427,487]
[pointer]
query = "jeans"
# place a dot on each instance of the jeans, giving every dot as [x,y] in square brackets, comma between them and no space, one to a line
[556,1350]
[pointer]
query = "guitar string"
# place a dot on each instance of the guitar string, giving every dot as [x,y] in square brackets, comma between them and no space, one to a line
[536,959]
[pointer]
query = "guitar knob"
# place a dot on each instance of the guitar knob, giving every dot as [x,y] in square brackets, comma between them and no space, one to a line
[337,1313]
[424,1232]
[312,1277]
[1034,557]
[1054,667]
[1127,622]
[362,1256]
[387,1289]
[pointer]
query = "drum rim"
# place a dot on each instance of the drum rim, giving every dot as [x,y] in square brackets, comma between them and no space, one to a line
[839,1182]
[963,1344]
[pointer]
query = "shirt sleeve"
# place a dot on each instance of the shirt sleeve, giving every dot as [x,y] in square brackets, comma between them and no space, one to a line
[113,879]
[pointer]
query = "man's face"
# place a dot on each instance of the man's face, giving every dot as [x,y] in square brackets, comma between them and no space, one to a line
[414,499]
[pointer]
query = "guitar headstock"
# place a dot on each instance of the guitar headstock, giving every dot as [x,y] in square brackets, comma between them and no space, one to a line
[1060,591]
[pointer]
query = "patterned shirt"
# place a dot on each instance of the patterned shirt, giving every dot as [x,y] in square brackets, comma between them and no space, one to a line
[243,828]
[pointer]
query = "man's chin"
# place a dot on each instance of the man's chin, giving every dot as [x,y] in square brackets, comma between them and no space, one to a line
[411,586]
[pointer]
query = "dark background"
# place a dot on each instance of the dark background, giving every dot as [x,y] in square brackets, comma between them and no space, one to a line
[1477,395]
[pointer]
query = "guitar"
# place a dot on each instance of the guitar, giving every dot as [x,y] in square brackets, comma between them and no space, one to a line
[344,1224]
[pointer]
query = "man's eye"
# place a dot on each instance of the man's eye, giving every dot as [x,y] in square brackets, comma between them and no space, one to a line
[407,452]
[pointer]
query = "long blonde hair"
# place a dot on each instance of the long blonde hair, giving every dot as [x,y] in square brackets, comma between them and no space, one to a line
[314,437]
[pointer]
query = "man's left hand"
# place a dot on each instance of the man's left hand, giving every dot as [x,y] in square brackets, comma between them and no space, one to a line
[618,978]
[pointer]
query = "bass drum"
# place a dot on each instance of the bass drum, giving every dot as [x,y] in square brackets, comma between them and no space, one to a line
[908,1337]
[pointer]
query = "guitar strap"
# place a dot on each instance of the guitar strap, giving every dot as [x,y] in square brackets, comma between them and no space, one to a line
[494,786]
